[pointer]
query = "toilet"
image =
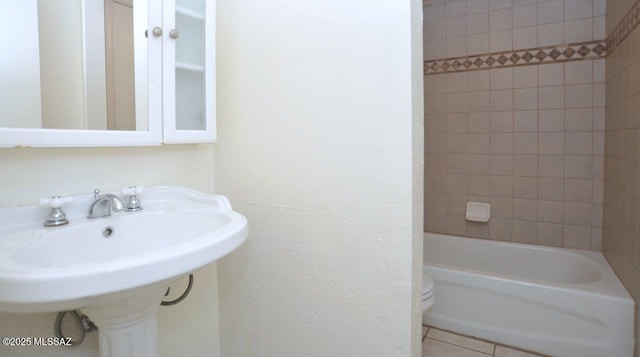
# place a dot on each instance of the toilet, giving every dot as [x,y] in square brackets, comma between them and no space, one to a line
[427,295]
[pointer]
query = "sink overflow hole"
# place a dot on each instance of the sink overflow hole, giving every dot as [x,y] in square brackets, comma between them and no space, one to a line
[108,232]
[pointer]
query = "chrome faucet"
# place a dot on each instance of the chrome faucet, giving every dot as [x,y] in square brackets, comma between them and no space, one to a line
[104,204]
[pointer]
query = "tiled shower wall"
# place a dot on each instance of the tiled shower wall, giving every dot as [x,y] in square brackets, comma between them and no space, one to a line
[621,241]
[526,137]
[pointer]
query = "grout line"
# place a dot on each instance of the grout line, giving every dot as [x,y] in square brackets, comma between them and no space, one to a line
[463,347]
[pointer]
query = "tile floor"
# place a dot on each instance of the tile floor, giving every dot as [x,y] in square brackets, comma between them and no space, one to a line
[439,343]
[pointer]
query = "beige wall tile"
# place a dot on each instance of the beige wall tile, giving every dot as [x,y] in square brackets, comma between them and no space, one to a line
[551,189]
[525,77]
[457,143]
[525,143]
[597,215]
[551,211]
[578,166]
[457,163]
[479,164]
[550,234]
[551,34]
[525,16]
[550,166]
[551,97]
[478,43]
[579,72]
[501,229]
[578,9]
[457,82]
[501,207]
[525,37]
[500,19]
[502,165]
[478,230]
[551,120]
[525,210]
[502,143]
[529,140]
[456,224]
[436,164]
[551,74]
[479,122]
[525,99]
[525,187]
[437,203]
[502,122]
[478,23]
[499,4]
[580,143]
[456,8]
[475,6]
[501,100]
[501,186]
[501,78]
[479,101]
[550,11]
[526,121]
[479,185]
[457,184]
[578,30]
[456,26]
[525,232]
[480,143]
[457,123]
[579,96]
[456,46]
[578,119]
[551,143]
[501,40]
[435,222]
[578,213]
[436,183]
[525,166]
[577,237]
[578,190]
[456,204]
[478,80]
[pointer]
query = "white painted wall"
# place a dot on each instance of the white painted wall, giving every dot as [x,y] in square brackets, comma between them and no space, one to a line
[19,65]
[187,329]
[320,115]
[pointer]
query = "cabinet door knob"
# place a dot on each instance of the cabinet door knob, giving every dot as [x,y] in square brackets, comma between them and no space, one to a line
[157,31]
[174,34]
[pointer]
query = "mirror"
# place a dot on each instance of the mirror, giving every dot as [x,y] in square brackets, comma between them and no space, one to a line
[74,64]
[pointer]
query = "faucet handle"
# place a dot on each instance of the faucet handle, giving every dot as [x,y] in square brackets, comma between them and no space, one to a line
[56,217]
[55,201]
[133,190]
[134,204]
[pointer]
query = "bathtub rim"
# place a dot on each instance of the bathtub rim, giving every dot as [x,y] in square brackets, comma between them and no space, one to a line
[608,285]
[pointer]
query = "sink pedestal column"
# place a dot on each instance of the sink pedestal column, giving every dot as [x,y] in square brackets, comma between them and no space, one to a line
[127,325]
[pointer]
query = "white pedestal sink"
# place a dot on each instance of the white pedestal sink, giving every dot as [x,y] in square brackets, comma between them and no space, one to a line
[118,280]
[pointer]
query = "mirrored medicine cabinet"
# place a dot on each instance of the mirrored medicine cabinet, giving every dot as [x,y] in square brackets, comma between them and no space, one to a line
[107,72]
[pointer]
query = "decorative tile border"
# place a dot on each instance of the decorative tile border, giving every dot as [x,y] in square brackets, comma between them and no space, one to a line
[526,57]
[628,23]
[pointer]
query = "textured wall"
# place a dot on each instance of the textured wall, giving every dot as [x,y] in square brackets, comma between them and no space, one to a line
[622,148]
[320,109]
[189,328]
[526,137]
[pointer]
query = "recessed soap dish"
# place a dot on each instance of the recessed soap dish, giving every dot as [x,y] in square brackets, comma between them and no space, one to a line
[478,212]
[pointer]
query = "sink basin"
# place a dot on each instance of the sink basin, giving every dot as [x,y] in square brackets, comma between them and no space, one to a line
[100,265]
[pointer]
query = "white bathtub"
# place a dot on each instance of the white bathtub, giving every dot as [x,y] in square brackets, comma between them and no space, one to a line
[560,302]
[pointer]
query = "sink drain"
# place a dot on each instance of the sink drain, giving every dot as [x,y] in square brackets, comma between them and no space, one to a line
[108,232]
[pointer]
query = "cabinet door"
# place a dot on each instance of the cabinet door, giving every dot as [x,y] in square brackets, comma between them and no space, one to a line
[189,97]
